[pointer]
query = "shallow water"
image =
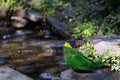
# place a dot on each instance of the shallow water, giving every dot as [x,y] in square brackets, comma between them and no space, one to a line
[41,58]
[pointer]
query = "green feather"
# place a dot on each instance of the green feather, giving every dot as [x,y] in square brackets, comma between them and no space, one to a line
[79,61]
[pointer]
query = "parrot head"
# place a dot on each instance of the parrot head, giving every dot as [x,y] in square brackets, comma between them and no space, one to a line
[71,43]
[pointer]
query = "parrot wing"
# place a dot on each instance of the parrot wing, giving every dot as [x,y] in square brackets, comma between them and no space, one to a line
[78,60]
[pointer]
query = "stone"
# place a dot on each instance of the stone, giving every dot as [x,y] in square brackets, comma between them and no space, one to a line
[18,22]
[58,27]
[6,29]
[27,69]
[34,15]
[102,43]
[7,73]
[101,74]
[102,46]
[3,12]
[109,38]
[67,75]
[21,13]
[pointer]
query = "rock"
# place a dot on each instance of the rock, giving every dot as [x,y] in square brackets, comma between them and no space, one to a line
[102,43]
[27,69]
[3,12]
[7,73]
[21,13]
[99,76]
[46,76]
[5,30]
[58,27]
[102,46]
[67,75]
[4,53]
[18,22]
[33,15]
[48,34]
[109,38]
[2,61]
[102,74]
[56,78]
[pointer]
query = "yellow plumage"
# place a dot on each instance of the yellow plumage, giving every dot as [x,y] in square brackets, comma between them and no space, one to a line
[66,44]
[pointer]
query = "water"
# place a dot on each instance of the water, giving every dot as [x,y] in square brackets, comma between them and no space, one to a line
[46,76]
[25,54]
[2,61]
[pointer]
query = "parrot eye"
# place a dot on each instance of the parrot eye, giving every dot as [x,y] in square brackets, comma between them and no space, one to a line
[76,44]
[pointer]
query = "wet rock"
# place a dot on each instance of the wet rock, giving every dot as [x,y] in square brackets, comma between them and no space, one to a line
[102,74]
[62,62]
[56,78]
[46,76]
[7,73]
[48,34]
[2,61]
[113,76]
[33,15]
[3,12]
[18,22]
[6,32]
[71,75]
[4,54]
[58,27]
[27,69]
[5,29]
[67,75]
[21,13]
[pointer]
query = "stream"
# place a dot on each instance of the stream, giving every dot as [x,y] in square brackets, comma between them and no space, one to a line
[41,59]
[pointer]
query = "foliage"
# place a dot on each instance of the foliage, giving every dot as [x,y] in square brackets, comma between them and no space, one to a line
[86,29]
[114,62]
[88,50]
[7,3]
[48,7]
[113,57]
[18,5]
[109,24]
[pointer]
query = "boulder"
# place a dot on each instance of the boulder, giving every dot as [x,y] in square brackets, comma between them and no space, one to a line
[34,15]
[21,13]
[67,75]
[102,74]
[18,22]
[58,27]
[102,43]
[102,46]
[3,12]
[7,73]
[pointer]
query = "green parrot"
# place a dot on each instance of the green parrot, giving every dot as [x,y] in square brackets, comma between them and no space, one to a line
[77,60]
